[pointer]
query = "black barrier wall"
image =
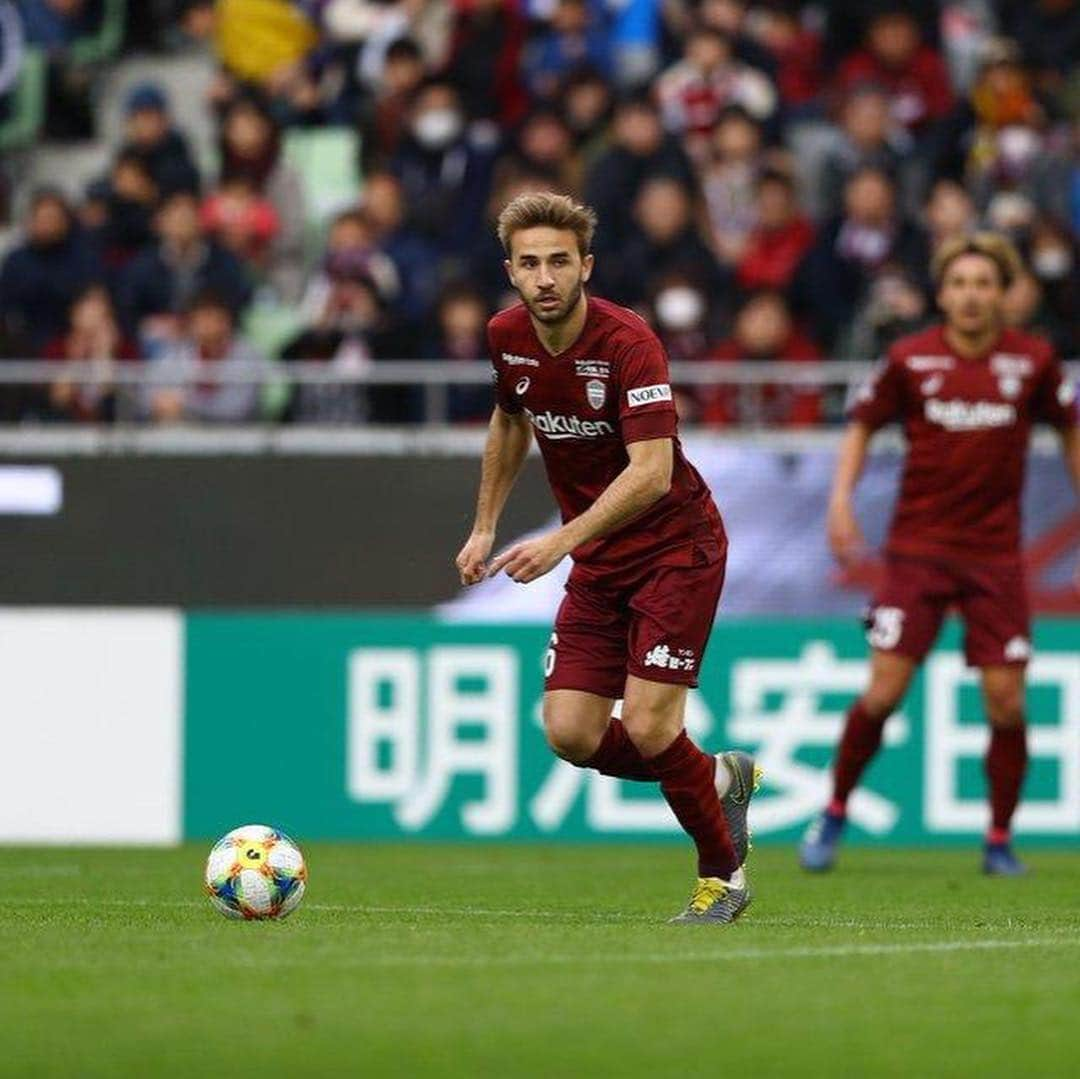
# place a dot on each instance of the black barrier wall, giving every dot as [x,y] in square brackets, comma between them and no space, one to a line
[268,531]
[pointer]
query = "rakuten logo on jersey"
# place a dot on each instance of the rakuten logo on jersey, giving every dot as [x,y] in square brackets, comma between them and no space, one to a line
[557,427]
[969,415]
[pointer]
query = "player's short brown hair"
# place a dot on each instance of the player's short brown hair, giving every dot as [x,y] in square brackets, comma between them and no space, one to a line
[547,209]
[990,245]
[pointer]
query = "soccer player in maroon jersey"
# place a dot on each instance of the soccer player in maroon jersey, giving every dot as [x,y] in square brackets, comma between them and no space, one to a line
[967,393]
[649,549]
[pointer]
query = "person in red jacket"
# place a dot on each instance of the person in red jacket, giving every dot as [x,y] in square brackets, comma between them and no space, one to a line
[764,331]
[895,57]
[783,235]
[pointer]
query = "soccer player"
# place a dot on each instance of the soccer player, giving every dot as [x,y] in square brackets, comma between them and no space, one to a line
[649,549]
[967,392]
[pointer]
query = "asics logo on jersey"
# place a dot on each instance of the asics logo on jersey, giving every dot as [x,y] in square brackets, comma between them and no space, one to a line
[522,386]
[969,415]
[557,427]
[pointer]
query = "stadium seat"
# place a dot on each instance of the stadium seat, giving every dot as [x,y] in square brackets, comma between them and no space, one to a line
[328,161]
[27,104]
[106,42]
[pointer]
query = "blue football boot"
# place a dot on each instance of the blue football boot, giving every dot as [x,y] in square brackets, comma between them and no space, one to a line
[817,852]
[999,861]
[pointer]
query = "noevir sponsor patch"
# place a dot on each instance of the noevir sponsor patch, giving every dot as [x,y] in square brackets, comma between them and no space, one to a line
[648,395]
[556,427]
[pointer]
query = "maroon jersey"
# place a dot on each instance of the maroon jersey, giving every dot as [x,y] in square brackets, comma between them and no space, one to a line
[610,388]
[968,423]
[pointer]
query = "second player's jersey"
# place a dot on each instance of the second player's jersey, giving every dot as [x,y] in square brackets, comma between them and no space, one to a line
[609,389]
[968,423]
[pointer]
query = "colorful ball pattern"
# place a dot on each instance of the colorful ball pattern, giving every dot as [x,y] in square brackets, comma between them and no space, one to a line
[255,872]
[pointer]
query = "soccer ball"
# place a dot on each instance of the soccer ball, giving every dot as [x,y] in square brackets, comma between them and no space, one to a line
[255,872]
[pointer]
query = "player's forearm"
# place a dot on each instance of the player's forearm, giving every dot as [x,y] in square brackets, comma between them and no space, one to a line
[504,453]
[632,492]
[850,461]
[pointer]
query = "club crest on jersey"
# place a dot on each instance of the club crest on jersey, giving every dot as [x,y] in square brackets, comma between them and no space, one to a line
[595,393]
[592,368]
[1010,386]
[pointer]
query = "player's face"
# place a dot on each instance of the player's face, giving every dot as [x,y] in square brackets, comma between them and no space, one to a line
[972,294]
[546,268]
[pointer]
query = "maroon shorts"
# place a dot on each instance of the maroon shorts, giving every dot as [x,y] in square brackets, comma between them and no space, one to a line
[655,627]
[991,598]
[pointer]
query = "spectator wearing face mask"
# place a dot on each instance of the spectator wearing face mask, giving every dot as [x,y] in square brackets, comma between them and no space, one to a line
[41,277]
[852,249]
[445,170]
[764,332]
[384,112]
[1052,255]
[679,311]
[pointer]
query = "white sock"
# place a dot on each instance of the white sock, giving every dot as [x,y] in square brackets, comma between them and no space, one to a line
[723,777]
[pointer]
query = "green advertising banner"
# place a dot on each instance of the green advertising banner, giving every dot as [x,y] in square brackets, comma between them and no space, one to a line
[351,727]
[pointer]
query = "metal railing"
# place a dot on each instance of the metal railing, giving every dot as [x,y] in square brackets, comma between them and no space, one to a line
[434,378]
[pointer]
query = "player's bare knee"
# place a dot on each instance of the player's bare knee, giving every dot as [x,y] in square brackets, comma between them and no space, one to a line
[1005,709]
[567,738]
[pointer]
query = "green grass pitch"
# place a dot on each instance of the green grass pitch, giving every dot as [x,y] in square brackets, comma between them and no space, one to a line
[409,960]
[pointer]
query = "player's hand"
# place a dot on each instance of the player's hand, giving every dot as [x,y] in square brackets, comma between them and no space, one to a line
[845,536]
[526,561]
[471,560]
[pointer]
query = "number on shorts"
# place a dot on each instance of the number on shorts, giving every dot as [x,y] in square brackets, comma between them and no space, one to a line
[887,628]
[549,656]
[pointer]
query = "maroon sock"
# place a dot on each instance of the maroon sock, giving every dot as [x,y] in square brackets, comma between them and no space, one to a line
[687,779]
[617,756]
[1006,763]
[858,744]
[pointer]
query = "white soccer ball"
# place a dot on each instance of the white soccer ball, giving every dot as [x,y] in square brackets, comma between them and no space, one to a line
[255,872]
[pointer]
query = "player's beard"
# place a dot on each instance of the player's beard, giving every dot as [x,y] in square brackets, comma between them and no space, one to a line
[552,316]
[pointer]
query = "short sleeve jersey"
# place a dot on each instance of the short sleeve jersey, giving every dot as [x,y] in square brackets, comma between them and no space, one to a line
[586,405]
[968,424]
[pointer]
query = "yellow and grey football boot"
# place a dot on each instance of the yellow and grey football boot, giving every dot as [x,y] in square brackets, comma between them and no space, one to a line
[735,801]
[716,901]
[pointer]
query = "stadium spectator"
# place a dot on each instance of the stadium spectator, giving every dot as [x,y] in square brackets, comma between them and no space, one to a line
[779,240]
[728,182]
[950,212]
[461,337]
[1053,257]
[665,240]
[93,337]
[913,73]
[12,46]
[151,135]
[242,220]
[894,305]
[732,18]
[1048,34]
[574,37]
[185,393]
[796,54]
[42,276]
[350,324]
[384,113]
[162,281]
[1026,309]
[764,332]
[414,259]
[445,170]
[118,212]
[694,91]
[545,144]
[485,61]
[587,105]
[852,249]
[680,311]
[251,151]
[868,138]
[640,148]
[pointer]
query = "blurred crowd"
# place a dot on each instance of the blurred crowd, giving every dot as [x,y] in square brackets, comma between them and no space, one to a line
[771,179]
